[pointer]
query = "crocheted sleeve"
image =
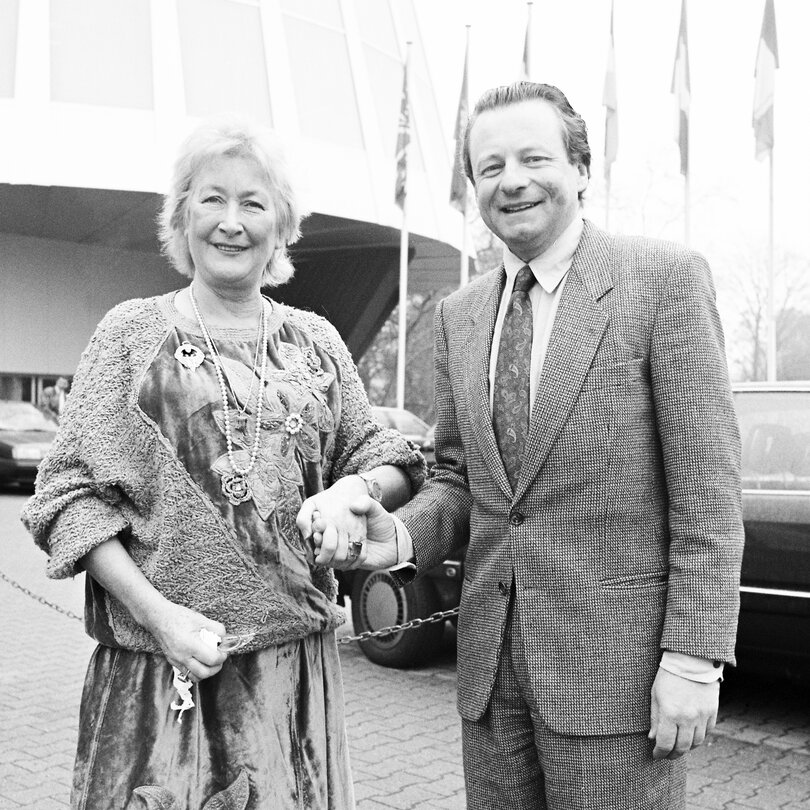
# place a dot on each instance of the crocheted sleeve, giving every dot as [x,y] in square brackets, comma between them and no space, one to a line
[361,443]
[77,505]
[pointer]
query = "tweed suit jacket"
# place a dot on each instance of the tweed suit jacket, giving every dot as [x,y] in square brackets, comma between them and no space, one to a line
[624,533]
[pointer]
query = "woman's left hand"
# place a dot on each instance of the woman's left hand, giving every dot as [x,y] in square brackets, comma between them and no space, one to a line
[342,526]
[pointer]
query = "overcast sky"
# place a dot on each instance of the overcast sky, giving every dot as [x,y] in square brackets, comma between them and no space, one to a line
[729,188]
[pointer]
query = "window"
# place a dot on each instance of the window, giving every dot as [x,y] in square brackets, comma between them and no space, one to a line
[775,430]
[101,53]
[324,86]
[376,25]
[224,64]
[9,10]
[325,12]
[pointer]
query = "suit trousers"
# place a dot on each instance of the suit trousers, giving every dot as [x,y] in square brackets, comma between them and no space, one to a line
[514,761]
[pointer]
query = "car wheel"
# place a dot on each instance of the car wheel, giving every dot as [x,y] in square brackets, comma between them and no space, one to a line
[377,602]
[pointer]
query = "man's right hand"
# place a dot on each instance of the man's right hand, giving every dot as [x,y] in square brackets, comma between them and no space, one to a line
[380,547]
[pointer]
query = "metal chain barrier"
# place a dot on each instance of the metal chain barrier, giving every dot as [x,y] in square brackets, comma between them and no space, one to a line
[41,599]
[439,616]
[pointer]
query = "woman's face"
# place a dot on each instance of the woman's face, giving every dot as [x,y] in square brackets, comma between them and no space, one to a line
[231,226]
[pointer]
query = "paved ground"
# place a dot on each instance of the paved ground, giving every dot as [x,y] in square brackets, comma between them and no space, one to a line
[403,728]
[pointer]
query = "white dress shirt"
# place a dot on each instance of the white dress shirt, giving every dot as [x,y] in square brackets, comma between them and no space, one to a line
[550,270]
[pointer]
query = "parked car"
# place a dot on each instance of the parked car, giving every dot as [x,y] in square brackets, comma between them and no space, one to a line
[25,436]
[411,427]
[408,424]
[774,628]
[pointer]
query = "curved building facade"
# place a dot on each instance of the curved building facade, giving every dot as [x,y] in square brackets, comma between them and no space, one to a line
[96,95]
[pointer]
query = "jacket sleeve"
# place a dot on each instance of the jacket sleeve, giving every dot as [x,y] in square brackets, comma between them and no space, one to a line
[700,444]
[438,518]
[76,503]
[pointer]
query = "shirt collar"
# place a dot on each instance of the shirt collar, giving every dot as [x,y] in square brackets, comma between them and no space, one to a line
[549,267]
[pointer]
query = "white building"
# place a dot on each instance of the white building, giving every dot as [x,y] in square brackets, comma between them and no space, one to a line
[95,97]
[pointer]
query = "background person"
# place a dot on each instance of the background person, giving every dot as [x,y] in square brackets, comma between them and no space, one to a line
[196,424]
[49,403]
[588,450]
[61,386]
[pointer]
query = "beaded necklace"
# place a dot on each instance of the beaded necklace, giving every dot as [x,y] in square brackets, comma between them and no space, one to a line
[235,485]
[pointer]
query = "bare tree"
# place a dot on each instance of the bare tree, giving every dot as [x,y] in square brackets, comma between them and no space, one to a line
[378,365]
[791,310]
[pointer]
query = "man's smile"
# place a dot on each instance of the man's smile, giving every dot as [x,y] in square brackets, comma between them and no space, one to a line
[518,207]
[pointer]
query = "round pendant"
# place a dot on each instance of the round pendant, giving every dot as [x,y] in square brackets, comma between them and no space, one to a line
[236,488]
[189,356]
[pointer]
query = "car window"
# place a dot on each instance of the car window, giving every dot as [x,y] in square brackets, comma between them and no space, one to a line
[406,422]
[382,417]
[22,416]
[775,431]
[401,420]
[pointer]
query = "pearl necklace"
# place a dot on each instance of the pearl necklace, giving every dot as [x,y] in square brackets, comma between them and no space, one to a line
[235,485]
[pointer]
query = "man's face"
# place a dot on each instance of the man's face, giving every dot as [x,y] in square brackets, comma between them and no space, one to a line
[527,191]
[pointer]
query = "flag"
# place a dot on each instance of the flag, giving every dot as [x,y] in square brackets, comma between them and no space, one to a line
[681,88]
[458,183]
[764,75]
[611,103]
[403,139]
[525,65]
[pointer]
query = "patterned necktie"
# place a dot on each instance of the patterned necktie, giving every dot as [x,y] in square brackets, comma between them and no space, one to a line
[510,402]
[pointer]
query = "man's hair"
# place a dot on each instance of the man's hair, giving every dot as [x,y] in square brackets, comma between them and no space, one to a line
[231,136]
[574,130]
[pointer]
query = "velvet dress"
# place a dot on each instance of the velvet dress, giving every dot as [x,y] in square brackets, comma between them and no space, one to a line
[267,732]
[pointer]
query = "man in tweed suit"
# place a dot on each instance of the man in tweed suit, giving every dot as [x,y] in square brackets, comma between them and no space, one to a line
[600,593]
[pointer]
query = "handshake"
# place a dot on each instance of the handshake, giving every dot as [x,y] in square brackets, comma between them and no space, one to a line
[347,528]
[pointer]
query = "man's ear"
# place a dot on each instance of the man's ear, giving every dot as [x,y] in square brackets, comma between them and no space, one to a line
[583,179]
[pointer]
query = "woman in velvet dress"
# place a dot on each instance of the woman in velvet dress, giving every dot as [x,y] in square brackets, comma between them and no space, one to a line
[198,422]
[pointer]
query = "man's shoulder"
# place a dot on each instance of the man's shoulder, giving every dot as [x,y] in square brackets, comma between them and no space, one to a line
[471,293]
[627,246]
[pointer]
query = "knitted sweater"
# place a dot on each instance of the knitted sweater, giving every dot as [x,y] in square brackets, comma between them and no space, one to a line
[112,472]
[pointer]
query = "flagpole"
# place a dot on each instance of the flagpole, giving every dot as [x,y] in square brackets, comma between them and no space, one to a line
[767,62]
[611,104]
[681,88]
[464,270]
[526,65]
[402,336]
[687,225]
[771,347]
[464,274]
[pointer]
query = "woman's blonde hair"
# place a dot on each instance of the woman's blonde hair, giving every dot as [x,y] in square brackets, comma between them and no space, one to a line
[231,137]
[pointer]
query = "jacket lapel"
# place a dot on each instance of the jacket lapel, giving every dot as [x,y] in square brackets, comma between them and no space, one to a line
[482,324]
[578,329]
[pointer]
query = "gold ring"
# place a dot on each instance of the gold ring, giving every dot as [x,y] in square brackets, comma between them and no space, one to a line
[355,547]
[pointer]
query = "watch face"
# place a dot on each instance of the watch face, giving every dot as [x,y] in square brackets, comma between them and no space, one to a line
[373,488]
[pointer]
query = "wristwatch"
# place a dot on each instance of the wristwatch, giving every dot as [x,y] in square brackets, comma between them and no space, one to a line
[372,487]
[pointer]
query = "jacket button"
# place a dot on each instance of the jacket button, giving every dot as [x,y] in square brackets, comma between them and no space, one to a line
[516,518]
[502,588]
